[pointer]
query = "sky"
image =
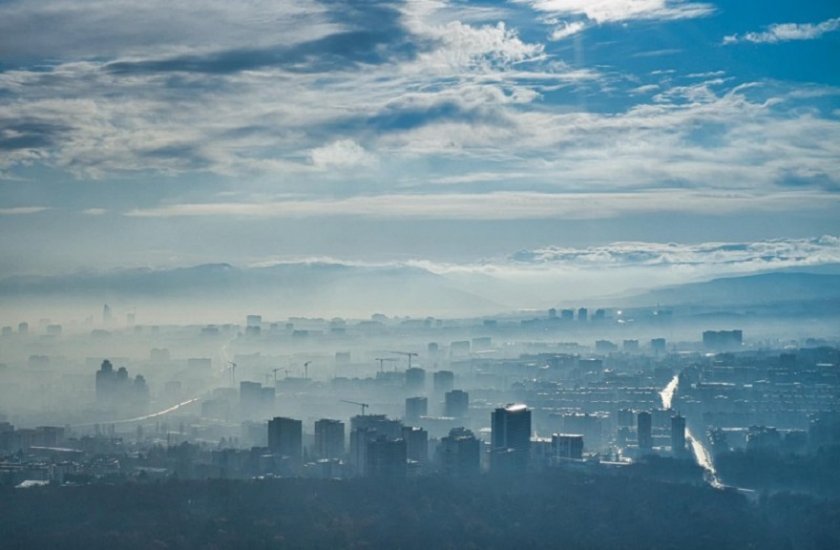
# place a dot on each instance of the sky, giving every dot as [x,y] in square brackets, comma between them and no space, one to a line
[163,134]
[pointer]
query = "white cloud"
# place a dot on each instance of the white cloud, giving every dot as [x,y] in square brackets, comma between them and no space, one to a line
[762,254]
[566,29]
[785,32]
[504,205]
[86,28]
[612,11]
[344,153]
[94,211]
[22,210]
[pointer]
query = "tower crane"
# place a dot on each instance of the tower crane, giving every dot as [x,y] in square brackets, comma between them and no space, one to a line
[275,376]
[364,406]
[410,354]
[382,362]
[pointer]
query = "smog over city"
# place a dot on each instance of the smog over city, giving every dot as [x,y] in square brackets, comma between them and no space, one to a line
[420,274]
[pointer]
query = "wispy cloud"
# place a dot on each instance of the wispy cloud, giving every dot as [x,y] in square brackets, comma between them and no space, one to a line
[764,254]
[612,11]
[501,205]
[565,29]
[786,32]
[22,210]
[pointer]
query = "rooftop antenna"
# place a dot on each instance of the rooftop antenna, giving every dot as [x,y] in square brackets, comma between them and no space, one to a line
[232,373]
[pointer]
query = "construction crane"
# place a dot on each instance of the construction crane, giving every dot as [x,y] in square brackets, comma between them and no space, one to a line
[275,376]
[410,354]
[232,373]
[382,362]
[364,406]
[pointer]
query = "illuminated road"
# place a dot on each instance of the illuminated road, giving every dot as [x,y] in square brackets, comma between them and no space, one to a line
[144,417]
[701,454]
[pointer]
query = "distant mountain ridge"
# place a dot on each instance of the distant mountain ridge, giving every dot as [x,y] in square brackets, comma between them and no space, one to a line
[292,286]
[758,290]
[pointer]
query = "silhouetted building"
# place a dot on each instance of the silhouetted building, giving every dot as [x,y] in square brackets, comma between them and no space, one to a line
[459,348]
[415,379]
[605,346]
[658,345]
[255,400]
[459,453]
[456,404]
[583,315]
[510,438]
[386,458]
[644,426]
[285,438]
[677,435]
[329,438]
[630,345]
[443,381]
[415,407]
[567,445]
[722,339]
[416,443]
[115,389]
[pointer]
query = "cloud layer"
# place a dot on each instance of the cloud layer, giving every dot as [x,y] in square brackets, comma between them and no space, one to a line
[125,118]
[785,32]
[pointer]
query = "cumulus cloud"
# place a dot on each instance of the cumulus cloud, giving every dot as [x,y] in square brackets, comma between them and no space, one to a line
[344,153]
[785,32]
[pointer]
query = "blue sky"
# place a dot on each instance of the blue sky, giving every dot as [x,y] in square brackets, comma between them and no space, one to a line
[175,133]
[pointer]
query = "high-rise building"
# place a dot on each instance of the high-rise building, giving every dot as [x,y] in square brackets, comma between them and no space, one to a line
[443,380]
[658,345]
[644,425]
[459,453]
[386,458]
[416,443]
[678,435]
[250,398]
[456,404]
[510,438]
[415,407]
[114,389]
[329,438]
[285,438]
[415,379]
[723,339]
[583,315]
[367,428]
[567,445]
[630,345]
